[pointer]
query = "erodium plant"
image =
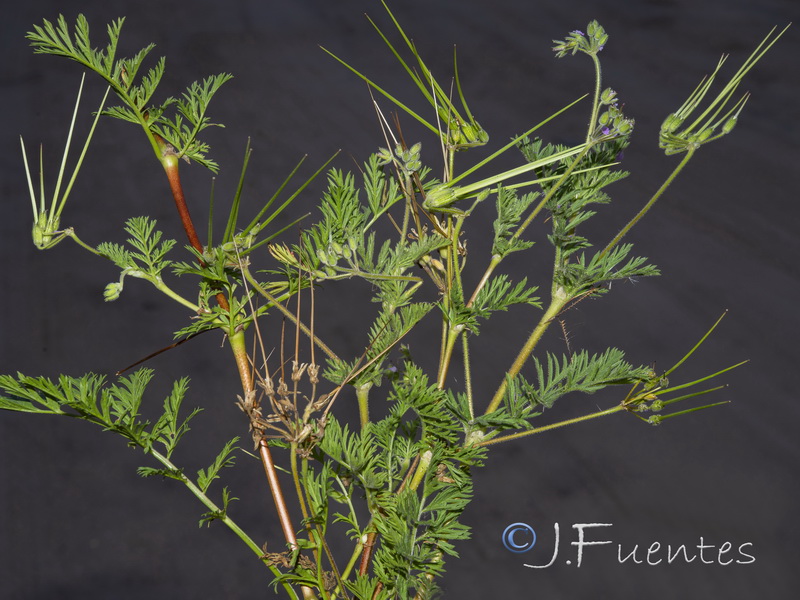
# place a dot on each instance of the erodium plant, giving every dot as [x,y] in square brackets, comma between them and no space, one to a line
[399,478]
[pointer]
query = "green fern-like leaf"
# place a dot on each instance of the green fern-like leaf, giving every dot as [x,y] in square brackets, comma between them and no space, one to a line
[498,294]
[581,372]
[510,209]
[210,516]
[56,39]
[166,473]
[225,458]
[180,130]
[168,430]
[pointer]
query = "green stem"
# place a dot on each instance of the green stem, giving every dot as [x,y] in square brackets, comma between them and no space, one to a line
[296,479]
[166,290]
[407,188]
[421,470]
[447,354]
[362,394]
[515,436]
[496,260]
[610,246]
[238,345]
[454,289]
[598,79]
[230,523]
[560,299]
[353,559]
[305,508]
[322,544]
[552,191]
[70,232]
[468,375]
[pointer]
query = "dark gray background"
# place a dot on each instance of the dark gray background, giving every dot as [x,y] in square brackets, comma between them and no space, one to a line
[77,522]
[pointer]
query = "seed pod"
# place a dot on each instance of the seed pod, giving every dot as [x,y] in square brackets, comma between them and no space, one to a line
[729,125]
[440,195]
[455,136]
[44,230]
[701,136]
[671,123]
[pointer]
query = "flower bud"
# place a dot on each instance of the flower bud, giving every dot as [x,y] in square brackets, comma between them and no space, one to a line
[112,291]
[384,156]
[322,256]
[608,96]
[625,127]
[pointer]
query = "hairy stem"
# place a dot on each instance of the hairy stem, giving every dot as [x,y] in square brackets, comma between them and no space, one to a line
[527,432]
[447,354]
[468,375]
[211,506]
[362,394]
[610,246]
[552,191]
[560,299]
[598,79]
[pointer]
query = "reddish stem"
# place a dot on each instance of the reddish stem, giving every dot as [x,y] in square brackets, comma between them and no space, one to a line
[277,494]
[366,555]
[171,163]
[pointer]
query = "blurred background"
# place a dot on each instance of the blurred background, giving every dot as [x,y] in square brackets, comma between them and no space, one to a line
[76,521]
